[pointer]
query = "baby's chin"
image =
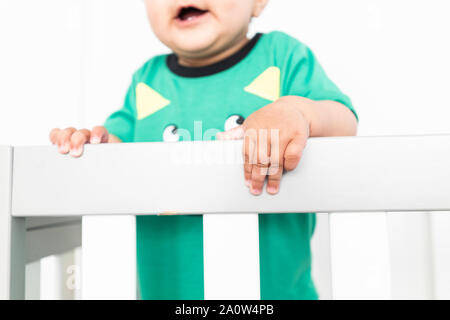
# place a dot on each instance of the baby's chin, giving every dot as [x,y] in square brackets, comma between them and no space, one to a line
[194,43]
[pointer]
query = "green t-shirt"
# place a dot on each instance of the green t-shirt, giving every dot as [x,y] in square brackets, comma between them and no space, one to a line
[165,96]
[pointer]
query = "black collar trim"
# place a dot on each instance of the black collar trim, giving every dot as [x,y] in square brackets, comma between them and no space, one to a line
[196,72]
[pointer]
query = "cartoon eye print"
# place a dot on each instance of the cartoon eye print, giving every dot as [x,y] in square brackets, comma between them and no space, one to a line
[234,122]
[171,134]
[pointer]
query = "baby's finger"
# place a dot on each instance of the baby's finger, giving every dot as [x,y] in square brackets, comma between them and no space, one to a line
[249,154]
[77,142]
[259,173]
[233,134]
[64,140]
[275,171]
[277,150]
[54,135]
[274,179]
[99,135]
[260,170]
[293,153]
[248,167]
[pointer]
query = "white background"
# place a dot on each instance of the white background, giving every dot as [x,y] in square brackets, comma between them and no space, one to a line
[69,63]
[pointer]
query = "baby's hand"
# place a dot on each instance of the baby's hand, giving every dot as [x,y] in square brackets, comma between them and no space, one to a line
[71,140]
[274,139]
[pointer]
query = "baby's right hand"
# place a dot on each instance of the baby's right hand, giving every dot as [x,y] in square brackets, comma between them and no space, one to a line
[71,140]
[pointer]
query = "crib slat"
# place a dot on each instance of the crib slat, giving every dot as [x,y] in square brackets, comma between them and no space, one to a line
[231,256]
[12,236]
[108,264]
[360,256]
[411,253]
[440,242]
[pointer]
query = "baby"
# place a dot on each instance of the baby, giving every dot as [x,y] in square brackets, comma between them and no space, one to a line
[220,78]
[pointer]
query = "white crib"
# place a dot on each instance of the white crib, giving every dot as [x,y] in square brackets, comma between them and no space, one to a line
[48,200]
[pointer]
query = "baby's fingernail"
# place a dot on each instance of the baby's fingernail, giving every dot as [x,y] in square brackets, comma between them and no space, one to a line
[64,148]
[255,191]
[272,190]
[95,140]
[247,183]
[75,152]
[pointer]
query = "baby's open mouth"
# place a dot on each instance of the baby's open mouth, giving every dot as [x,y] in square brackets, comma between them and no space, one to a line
[189,13]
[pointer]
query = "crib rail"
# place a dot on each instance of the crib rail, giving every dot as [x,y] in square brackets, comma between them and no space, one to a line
[335,175]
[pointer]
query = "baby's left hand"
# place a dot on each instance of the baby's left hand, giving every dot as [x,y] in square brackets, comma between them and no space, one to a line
[274,139]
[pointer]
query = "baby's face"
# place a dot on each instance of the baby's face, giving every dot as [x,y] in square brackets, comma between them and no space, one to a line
[201,28]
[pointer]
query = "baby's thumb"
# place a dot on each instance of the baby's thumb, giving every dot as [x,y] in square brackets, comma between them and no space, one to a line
[99,135]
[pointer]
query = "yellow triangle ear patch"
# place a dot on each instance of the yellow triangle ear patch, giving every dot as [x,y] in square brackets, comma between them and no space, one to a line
[267,84]
[148,101]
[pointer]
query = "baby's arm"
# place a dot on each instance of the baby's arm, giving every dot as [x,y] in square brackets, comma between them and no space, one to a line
[327,118]
[71,140]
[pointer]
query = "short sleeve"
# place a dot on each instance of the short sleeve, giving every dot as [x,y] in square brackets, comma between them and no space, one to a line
[122,122]
[305,77]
